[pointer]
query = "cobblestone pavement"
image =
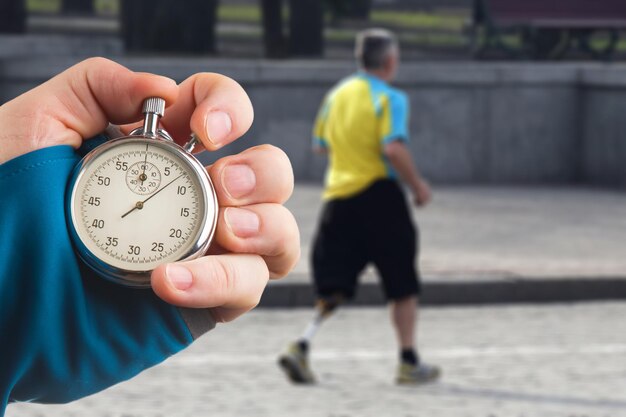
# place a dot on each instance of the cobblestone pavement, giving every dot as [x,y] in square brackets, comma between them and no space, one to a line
[476,233]
[518,361]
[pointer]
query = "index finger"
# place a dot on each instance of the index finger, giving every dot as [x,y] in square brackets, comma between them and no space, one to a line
[211,105]
[77,104]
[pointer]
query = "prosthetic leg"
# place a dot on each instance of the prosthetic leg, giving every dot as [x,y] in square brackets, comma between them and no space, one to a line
[294,362]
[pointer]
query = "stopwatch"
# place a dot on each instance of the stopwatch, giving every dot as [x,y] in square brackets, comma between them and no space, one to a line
[139,201]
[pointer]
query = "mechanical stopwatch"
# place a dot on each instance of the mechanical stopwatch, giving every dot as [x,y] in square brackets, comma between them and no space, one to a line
[139,201]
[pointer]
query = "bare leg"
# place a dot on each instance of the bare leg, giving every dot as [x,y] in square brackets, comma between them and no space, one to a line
[411,370]
[404,318]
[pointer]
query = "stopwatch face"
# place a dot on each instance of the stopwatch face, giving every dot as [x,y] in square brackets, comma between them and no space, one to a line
[138,203]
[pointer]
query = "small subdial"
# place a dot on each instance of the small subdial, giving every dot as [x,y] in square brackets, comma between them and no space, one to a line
[143,178]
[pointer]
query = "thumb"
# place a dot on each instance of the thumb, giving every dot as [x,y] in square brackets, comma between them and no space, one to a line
[77,104]
[228,284]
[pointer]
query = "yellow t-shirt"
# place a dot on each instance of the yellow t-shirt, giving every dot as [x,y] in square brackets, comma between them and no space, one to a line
[357,117]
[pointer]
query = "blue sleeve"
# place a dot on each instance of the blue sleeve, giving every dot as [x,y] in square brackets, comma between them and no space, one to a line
[398,117]
[319,128]
[65,332]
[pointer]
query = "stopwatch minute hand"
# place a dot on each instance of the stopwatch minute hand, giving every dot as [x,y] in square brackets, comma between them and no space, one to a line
[138,205]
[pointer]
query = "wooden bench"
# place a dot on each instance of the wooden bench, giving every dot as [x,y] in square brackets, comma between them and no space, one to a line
[548,28]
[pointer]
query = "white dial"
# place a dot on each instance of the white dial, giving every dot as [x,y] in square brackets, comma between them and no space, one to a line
[138,204]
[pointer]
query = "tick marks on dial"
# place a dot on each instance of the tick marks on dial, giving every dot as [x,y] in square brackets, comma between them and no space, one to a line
[155,224]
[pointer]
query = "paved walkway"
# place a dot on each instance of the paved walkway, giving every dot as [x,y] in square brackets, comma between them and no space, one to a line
[505,232]
[490,235]
[511,361]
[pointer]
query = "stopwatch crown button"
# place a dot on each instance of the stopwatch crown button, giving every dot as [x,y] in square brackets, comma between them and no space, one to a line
[154,105]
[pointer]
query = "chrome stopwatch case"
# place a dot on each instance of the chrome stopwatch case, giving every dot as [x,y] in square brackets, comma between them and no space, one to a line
[140,201]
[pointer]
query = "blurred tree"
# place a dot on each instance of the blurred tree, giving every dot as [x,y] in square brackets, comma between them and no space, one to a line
[359,9]
[352,9]
[273,36]
[169,26]
[78,6]
[12,16]
[306,25]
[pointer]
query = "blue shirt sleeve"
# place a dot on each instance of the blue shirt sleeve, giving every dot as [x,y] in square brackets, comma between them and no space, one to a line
[318,137]
[399,117]
[65,332]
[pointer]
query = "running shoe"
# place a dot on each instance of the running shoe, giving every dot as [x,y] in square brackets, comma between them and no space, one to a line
[294,362]
[417,374]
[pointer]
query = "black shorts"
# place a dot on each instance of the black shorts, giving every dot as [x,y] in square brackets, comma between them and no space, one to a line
[374,226]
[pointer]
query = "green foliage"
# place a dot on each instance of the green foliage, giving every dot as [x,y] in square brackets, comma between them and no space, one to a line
[439,28]
[244,13]
[418,20]
[43,6]
[54,6]
[107,6]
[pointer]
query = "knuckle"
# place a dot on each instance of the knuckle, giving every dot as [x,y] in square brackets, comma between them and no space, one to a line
[266,147]
[284,183]
[223,276]
[255,299]
[215,78]
[289,261]
[286,250]
[286,235]
[277,154]
[280,268]
[96,60]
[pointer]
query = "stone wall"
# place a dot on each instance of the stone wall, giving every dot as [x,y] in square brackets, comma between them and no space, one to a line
[470,122]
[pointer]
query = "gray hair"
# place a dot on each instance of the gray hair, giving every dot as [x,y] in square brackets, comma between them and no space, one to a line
[373,46]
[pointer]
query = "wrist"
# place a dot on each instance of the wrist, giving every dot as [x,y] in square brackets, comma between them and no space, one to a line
[416,185]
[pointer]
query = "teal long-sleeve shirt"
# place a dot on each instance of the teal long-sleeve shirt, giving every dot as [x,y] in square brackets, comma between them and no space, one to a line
[65,332]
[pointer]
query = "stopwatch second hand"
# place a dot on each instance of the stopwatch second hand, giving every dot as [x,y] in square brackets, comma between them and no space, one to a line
[162,188]
[139,204]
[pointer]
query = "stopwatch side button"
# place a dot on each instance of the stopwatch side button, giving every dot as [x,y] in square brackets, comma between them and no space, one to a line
[193,141]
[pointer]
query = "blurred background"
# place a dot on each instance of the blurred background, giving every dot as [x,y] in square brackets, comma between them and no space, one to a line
[517,120]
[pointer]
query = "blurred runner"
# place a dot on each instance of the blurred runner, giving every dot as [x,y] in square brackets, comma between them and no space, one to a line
[363,127]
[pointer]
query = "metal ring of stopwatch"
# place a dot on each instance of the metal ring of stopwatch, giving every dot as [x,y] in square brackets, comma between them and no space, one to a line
[200,242]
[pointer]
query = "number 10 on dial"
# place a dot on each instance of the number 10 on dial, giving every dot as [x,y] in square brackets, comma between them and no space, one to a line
[140,201]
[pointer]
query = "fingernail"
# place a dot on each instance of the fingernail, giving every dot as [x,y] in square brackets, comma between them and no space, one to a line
[238,180]
[243,223]
[179,276]
[218,126]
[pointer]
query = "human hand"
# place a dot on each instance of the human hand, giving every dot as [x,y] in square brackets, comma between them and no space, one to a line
[256,237]
[422,193]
